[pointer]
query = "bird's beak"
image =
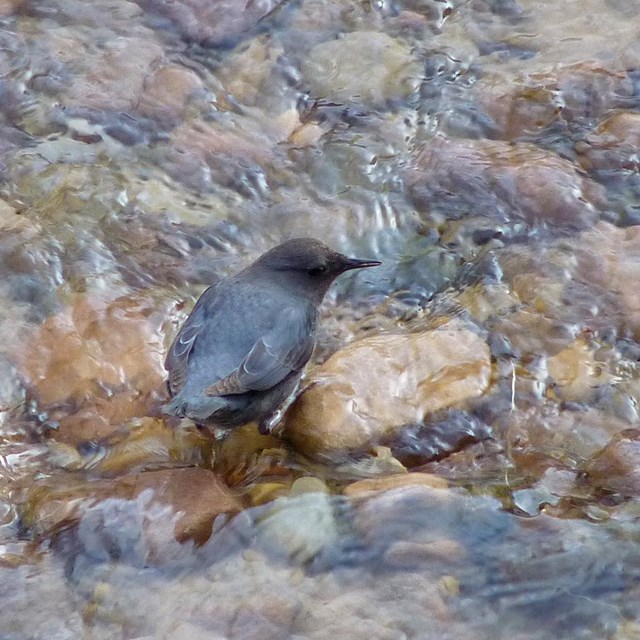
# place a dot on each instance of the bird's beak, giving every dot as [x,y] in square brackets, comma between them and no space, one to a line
[354,263]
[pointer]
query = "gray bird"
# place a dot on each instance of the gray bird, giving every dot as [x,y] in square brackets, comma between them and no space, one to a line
[241,352]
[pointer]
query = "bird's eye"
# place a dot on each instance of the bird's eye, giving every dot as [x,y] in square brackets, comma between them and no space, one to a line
[317,271]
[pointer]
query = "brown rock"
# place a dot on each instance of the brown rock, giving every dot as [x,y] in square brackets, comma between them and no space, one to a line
[614,144]
[141,443]
[609,260]
[367,390]
[214,22]
[409,555]
[525,103]
[113,76]
[372,485]
[617,466]
[543,437]
[502,181]
[166,92]
[9,7]
[227,150]
[196,494]
[576,373]
[102,357]
[248,72]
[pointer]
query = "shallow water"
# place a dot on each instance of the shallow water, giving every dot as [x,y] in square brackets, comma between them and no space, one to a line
[486,152]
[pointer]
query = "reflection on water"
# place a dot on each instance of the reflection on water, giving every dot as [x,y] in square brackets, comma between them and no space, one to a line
[464,460]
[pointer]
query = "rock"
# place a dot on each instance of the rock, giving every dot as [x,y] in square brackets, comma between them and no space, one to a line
[298,528]
[308,484]
[212,22]
[249,72]
[196,494]
[372,485]
[103,358]
[503,182]
[613,145]
[525,104]
[236,154]
[409,555]
[193,495]
[576,373]
[617,466]
[142,443]
[553,485]
[362,67]
[114,74]
[609,261]
[166,92]
[447,434]
[375,385]
[542,437]
[9,7]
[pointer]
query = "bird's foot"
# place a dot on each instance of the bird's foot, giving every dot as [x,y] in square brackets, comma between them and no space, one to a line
[267,426]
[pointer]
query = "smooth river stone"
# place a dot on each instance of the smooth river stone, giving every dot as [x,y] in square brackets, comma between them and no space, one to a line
[167,91]
[614,144]
[502,181]
[617,466]
[212,22]
[374,386]
[364,67]
[609,261]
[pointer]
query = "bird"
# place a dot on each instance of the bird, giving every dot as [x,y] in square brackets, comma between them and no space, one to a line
[239,356]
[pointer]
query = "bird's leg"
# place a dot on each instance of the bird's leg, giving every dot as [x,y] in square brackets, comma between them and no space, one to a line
[266,426]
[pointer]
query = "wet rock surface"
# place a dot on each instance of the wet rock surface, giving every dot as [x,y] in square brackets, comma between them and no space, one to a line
[119,513]
[219,23]
[385,69]
[376,385]
[503,182]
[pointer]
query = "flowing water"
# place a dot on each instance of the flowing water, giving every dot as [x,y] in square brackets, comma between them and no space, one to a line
[480,477]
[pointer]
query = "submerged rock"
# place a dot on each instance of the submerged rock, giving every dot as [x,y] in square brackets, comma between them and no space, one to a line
[217,22]
[103,358]
[609,261]
[542,437]
[298,528]
[614,144]
[114,74]
[503,182]
[374,386]
[166,92]
[529,102]
[616,467]
[402,480]
[363,66]
[190,499]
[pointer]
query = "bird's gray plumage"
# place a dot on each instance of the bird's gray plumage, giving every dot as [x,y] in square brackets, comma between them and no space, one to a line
[241,352]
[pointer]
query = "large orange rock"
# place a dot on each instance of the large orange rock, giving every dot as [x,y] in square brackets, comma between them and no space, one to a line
[374,386]
[97,363]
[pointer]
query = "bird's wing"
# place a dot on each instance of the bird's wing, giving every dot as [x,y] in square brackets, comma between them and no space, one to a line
[282,351]
[178,357]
